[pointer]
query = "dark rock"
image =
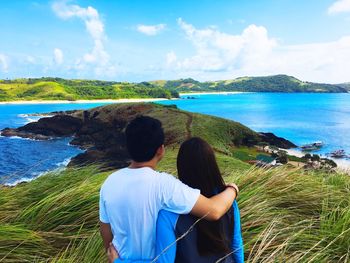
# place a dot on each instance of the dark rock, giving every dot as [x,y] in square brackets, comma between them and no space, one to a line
[56,126]
[273,140]
[7,132]
[102,158]
[51,114]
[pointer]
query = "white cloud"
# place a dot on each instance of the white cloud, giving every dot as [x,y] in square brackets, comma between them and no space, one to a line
[217,51]
[3,63]
[30,59]
[151,30]
[98,59]
[219,55]
[340,6]
[171,58]
[58,56]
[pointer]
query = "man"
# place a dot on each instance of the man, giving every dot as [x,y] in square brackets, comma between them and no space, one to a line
[131,198]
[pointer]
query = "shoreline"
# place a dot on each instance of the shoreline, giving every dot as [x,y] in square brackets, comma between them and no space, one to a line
[342,164]
[212,93]
[19,102]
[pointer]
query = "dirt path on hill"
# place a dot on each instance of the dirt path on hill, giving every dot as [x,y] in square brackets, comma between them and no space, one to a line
[188,125]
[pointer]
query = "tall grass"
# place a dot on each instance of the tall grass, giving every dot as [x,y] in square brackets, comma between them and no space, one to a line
[294,216]
[287,216]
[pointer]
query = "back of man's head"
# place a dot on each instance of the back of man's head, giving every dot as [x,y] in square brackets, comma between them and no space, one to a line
[144,135]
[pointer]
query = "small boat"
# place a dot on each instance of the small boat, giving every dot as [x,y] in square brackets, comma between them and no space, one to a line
[312,146]
[338,154]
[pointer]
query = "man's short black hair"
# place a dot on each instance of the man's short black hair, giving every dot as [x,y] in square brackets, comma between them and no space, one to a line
[144,135]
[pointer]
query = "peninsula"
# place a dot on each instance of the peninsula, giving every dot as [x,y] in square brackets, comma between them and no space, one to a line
[99,131]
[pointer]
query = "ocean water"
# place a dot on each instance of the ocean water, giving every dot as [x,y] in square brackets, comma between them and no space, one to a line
[301,118]
[24,159]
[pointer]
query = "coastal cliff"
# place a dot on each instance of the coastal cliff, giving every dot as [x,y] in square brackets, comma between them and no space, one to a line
[100,131]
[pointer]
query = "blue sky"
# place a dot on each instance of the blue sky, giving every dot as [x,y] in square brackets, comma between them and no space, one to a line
[204,39]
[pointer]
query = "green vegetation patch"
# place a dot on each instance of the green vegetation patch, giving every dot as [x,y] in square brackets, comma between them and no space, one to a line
[221,133]
[246,153]
[277,83]
[61,89]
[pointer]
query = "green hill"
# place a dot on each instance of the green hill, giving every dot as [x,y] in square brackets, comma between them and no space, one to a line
[277,83]
[62,89]
[288,215]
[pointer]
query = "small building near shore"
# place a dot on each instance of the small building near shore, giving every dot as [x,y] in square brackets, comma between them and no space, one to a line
[264,160]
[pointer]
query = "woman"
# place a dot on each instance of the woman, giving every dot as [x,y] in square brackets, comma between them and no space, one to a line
[208,241]
[201,240]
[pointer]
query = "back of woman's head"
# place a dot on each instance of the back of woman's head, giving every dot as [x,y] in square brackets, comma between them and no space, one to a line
[197,167]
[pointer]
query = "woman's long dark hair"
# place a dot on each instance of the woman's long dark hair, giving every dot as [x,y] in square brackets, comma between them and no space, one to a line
[197,167]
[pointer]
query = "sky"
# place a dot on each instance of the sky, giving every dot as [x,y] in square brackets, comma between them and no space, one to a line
[138,40]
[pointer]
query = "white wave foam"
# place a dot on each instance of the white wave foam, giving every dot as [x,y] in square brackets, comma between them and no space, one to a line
[18,138]
[25,179]
[36,175]
[65,162]
[32,118]
[27,139]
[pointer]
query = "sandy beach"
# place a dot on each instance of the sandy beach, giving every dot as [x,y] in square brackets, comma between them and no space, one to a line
[212,93]
[113,100]
[80,101]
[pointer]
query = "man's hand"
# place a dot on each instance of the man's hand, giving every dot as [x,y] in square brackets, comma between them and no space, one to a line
[215,207]
[112,253]
[234,186]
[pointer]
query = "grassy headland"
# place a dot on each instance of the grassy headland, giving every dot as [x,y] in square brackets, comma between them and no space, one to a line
[71,90]
[277,83]
[288,215]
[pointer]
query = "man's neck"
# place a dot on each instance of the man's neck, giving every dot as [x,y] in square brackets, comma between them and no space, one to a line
[151,164]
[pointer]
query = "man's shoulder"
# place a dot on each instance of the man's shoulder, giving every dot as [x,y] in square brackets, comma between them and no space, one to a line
[113,176]
[165,177]
[116,173]
[148,175]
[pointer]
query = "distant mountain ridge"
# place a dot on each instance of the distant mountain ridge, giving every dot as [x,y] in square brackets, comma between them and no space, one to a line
[276,83]
[27,89]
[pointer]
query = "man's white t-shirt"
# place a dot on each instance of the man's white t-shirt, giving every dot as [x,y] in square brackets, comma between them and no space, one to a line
[130,200]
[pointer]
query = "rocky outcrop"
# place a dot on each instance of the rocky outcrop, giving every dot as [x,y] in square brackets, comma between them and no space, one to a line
[273,140]
[47,128]
[100,131]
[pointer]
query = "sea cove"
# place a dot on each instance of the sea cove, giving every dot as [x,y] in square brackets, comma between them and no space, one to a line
[298,117]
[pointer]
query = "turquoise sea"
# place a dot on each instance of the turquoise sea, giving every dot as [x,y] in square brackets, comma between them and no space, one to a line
[299,117]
